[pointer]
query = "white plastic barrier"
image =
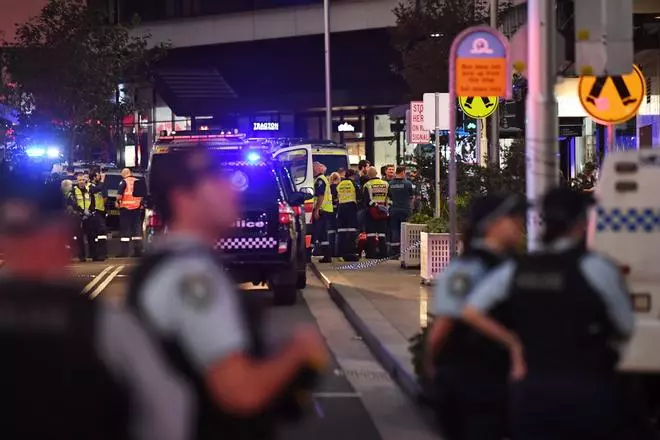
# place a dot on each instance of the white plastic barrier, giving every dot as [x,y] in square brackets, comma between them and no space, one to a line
[435,254]
[410,237]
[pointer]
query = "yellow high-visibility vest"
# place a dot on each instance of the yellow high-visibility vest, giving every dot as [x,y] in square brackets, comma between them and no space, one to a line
[82,199]
[377,189]
[327,196]
[346,192]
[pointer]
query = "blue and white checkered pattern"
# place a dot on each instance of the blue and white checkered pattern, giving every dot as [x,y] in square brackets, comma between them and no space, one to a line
[628,219]
[246,243]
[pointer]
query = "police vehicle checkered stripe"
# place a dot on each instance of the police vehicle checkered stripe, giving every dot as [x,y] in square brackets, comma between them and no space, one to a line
[628,219]
[246,243]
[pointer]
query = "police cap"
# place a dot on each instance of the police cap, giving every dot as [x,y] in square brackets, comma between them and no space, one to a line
[487,209]
[28,203]
[563,205]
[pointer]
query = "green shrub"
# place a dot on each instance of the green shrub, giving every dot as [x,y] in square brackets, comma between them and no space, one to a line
[419,219]
[437,225]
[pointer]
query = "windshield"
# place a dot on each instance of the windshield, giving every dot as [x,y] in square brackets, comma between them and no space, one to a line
[332,161]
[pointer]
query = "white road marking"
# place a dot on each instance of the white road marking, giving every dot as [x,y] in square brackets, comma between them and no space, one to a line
[105,283]
[337,395]
[97,279]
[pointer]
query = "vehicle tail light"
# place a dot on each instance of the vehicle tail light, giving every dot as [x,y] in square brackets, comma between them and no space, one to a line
[309,207]
[297,210]
[154,220]
[286,214]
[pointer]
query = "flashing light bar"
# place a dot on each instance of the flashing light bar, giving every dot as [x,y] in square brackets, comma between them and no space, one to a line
[201,137]
[51,152]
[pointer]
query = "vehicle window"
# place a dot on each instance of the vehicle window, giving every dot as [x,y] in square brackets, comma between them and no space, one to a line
[332,161]
[286,181]
[296,162]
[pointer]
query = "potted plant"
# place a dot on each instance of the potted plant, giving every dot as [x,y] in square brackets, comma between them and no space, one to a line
[410,237]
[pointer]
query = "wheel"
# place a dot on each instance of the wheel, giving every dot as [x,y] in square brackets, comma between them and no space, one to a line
[285,295]
[301,282]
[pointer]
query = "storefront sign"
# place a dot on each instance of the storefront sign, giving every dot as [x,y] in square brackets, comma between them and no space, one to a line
[346,128]
[417,134]
[265,126]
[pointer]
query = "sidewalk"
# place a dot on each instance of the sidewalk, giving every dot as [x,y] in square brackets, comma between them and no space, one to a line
[386,305]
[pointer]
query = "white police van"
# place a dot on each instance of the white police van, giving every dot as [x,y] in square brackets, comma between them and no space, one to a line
[625,226]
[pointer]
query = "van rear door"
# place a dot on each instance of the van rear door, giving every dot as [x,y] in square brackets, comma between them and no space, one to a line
[298,160]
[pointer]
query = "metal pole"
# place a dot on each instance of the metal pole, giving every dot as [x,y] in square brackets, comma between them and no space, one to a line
[494,153]
[328,96]
[438,157]
[610,139]
[542,129]
[452,168]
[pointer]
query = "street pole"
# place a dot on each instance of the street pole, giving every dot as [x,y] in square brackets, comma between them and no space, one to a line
[494,153]
[610,139]
[542,125]
[328,96]
[438,157]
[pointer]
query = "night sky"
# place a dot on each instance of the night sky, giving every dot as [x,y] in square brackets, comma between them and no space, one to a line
[17,11]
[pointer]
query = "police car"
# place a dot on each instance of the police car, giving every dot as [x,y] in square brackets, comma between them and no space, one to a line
[625,226]
[267,242]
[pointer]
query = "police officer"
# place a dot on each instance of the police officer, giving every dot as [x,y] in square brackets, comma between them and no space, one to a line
[569,313]
[196,312]
[374,196]
[469,371]
[72,368]
[98,194]
[80,201]
[400,194]
[347,222]
[322,212]
[129,202]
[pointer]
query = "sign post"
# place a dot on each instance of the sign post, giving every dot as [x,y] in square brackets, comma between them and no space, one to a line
[478,66]
[613,99]
[435,120]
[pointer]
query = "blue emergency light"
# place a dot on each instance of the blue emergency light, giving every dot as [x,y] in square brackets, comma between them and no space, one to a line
[253,157]
[51,152]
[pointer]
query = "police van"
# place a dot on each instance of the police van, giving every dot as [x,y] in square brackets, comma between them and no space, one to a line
[266,244]
[625,226]
[298,156]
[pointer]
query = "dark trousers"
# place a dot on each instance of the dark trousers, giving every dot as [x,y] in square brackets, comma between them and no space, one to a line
[471,406]
[321,226]
[396,218]
[376,240]
[331,220]
[347,229]
[101,238]
[566,406]
[130,229]
[86,232]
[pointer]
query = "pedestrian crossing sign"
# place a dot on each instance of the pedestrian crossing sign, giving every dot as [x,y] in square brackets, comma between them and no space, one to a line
[478,107]
[612,99]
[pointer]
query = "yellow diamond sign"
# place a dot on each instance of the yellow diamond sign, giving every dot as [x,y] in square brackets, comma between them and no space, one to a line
[479,107]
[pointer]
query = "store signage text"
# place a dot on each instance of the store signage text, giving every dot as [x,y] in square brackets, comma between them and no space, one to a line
[346,127]
[265,126]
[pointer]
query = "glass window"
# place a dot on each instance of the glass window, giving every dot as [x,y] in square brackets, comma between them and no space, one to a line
[332,161]
[296,162]
[382,126]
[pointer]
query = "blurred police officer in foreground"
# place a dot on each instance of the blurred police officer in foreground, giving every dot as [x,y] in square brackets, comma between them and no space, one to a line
[471,371]
[71,368]
[569,313]
[401,194]
[322,213]
[200,317]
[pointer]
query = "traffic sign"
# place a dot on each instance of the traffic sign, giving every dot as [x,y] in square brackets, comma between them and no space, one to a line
[612,99]
[481,65]
[479,107]
[431,121]
[418,134]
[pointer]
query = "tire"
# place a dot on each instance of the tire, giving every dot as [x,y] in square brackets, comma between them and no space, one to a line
[301,282]
[285,295]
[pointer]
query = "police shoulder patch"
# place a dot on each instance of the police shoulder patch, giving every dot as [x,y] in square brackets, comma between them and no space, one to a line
[197,290]
[459,284]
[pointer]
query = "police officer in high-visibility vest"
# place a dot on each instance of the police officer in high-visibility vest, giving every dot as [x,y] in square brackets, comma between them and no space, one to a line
[98,195]
[130,214]
[374,196]
[569,315]
[80,201]
[72,368]
[347,223]
[322,212]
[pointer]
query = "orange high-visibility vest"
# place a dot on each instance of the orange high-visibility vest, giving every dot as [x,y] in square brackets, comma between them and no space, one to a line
[128,200]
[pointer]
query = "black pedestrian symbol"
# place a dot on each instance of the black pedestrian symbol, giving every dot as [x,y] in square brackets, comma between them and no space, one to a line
[488,103]
[621,89]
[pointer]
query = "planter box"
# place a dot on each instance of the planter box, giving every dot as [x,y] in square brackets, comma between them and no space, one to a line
[410,244]
[435,255]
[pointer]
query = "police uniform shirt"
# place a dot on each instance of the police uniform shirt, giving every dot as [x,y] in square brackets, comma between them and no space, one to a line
[455,282]
[319,187]
[601,274]
[401,193]
[190,298]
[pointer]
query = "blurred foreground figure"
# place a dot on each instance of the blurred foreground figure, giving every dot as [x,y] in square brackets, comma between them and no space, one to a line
[71,368]
[209,330]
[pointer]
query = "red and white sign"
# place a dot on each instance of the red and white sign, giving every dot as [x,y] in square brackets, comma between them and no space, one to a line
[418,134]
